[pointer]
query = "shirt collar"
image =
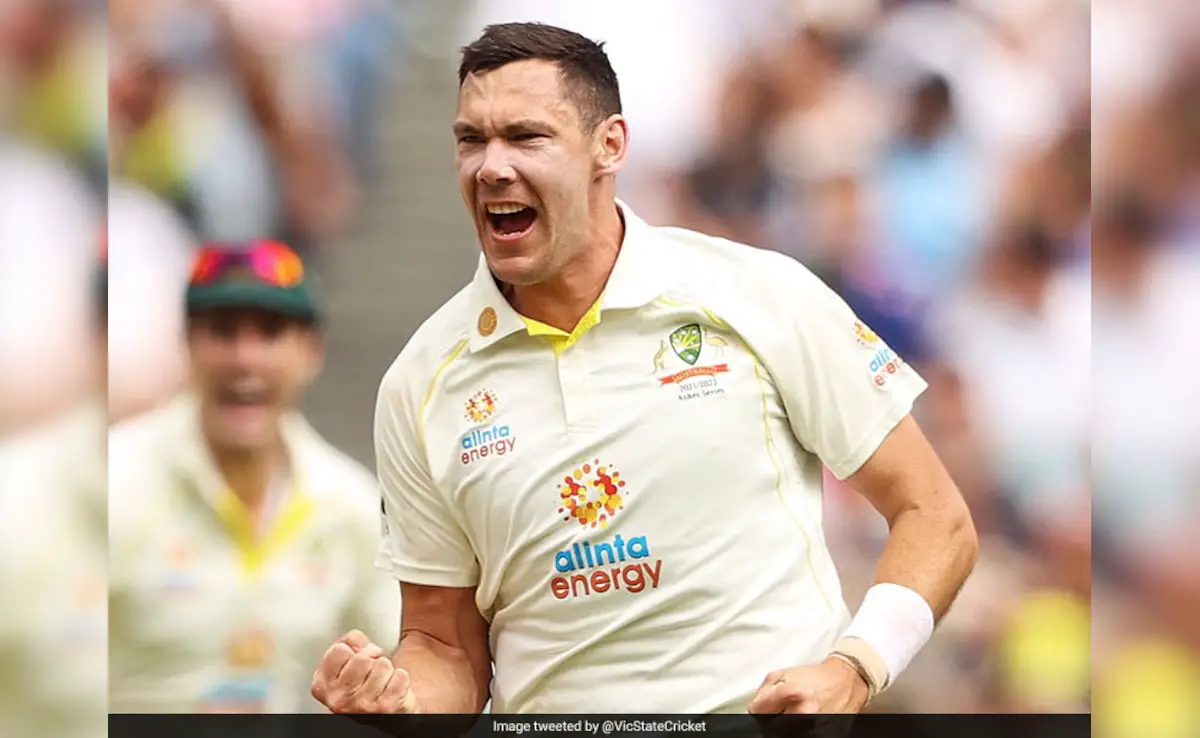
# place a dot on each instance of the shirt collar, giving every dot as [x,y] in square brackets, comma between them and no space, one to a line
[635,281]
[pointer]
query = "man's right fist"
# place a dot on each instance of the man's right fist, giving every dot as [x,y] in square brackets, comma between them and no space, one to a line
[357,678]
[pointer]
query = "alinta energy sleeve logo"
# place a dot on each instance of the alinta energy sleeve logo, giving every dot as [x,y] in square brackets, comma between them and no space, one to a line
[589,498]
[492,440]
[884,362]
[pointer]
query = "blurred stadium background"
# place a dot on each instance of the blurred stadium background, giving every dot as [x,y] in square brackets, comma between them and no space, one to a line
[1001,188]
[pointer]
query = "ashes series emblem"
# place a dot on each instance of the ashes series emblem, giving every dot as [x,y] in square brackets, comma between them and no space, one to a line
[688,342]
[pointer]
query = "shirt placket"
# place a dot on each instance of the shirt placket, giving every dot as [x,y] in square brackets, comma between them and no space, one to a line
[574,374]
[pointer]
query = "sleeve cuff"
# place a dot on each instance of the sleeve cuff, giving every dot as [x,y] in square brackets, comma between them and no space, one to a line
[879,430]
[430,576]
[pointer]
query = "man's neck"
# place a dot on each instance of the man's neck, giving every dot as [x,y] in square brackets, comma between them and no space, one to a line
[561,302]
[249,474]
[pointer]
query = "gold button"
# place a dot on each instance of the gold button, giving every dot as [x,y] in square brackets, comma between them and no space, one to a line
[487,322]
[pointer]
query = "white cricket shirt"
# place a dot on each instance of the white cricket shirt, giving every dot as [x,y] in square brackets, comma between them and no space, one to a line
[207,616]
[638,504]
[53,620]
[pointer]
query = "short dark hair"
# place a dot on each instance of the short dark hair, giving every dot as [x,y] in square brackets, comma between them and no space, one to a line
[586,71]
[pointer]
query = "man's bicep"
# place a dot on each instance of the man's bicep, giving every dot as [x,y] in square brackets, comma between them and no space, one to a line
[905,473]
[446,615]
[443,625]
[424,540]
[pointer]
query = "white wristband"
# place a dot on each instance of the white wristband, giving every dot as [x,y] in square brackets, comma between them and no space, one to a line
[895,622]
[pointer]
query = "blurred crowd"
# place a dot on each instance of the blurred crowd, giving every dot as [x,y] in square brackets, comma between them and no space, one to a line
[1145,272]
[192,120]
[1008,191]
[233,120]
[249,119]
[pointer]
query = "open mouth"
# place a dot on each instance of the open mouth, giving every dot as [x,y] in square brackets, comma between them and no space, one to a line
[243,395]
[510,221]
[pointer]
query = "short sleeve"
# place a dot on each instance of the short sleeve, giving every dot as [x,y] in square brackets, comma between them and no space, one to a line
[844,389]
[424,541]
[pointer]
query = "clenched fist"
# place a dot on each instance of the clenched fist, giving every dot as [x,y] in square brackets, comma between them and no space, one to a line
[832,686]
[356,677]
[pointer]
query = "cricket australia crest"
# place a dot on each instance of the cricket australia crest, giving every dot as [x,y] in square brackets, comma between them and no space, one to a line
[687,341]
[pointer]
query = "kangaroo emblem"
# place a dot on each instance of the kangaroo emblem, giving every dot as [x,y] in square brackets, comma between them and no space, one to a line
[718,342]
[659,365]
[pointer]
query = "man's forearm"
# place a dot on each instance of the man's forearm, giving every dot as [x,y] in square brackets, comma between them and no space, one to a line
[930,551]
[444,679]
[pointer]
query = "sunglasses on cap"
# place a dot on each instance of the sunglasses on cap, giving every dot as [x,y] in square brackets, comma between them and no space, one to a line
[269,262]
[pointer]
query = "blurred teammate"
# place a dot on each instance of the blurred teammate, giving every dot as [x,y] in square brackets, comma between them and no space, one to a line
[241,542]
[602,460]
[52,565]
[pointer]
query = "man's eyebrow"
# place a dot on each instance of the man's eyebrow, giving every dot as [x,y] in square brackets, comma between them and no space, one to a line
[525,125]
[465,129]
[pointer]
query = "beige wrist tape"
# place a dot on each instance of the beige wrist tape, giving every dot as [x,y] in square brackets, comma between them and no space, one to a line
[865,661]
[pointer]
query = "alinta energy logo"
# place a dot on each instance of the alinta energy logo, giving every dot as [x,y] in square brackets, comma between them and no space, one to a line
[866,336]
[590,497]
[481,406]
[491,440]
[884,363]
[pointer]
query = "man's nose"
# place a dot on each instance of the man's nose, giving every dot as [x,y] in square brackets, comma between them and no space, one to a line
[496,168]
[248,345]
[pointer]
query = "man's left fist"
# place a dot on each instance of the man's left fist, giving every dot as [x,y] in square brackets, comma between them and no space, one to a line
[833,686]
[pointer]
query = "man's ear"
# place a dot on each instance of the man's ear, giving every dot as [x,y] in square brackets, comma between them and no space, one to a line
[612,144]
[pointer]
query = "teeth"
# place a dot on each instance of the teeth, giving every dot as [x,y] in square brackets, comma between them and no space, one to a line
[246,385]
[505,208]
[246,390]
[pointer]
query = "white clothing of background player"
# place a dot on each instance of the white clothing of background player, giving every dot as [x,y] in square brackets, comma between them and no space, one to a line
[601,461]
